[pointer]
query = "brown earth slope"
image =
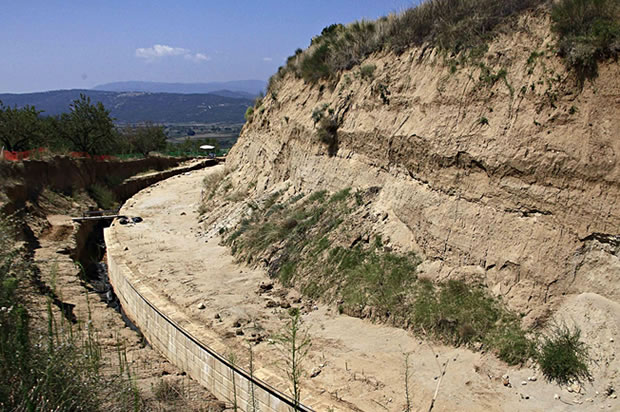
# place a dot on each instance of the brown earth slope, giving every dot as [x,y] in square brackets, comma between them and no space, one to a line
[514,183]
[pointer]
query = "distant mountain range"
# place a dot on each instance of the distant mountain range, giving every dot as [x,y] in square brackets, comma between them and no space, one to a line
[237,88]
[136,107]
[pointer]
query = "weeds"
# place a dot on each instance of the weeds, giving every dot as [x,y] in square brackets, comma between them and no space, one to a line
[103,196]
[367,71]
[302,243]
[589,31]
[249,113]
[563,357]
[167,390]
[58,368]
[211,182]
[454,26]
[294,343]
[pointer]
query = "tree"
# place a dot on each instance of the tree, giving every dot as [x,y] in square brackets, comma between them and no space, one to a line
[88,127]
[19,127]
[147,138]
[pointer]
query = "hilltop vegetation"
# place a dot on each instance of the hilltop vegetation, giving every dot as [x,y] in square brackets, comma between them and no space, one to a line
[588,31]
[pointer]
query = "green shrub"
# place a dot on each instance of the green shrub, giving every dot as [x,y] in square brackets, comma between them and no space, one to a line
[103,196]
[248,114]
[589,31]
[327,131]
[563,357]
[453,25]
[367,71]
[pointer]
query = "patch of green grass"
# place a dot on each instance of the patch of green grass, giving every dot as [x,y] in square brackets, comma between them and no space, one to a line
[456,27]
[563,357]
[318,196]
[286,273]
[103,196]
[367,71]
[314,252]
[340,195]
[589,31]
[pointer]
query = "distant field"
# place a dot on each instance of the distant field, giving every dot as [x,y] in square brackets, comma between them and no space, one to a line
[225,134]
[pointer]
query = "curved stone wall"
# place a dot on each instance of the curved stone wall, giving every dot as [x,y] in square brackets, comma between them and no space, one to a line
[203,364]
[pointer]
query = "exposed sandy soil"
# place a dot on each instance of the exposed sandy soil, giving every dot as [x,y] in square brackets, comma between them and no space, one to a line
[361,364]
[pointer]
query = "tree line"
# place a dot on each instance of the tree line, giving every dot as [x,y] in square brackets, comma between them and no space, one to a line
[86,128]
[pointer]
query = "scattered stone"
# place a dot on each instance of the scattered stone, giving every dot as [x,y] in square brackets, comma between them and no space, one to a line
[183,213]
[556,397]
[315,372]
[613,396]
[237,324]
[284,304]
[523,383]
[532,378]
[201,306]
[609,390]
[265,287]
[315,307]
[217,316]
[611,340]
[506,381]
[574,387]
[271,304]
[239,332]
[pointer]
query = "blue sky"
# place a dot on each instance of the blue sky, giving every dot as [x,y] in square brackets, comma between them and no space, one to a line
[61,44]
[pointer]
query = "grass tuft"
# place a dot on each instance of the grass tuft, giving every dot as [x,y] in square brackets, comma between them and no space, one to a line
[563,357]
[308,245]
[103,196]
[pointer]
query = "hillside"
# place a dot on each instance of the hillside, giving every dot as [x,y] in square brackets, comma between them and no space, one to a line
[495,174]
[241,88]
[135,107]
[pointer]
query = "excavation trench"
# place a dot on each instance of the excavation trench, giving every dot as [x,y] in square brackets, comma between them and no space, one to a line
[91,257]
[90,248]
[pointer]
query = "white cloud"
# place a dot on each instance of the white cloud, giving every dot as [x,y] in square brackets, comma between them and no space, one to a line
[267,59]
[160,50]
[198,57]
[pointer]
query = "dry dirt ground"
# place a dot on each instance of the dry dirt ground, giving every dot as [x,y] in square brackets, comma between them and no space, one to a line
[56,234]
[360,365]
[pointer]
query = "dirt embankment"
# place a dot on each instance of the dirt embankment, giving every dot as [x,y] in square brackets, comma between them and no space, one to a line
[24,181]
[354,364]
[503,173]
[512,180]
[62,249]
